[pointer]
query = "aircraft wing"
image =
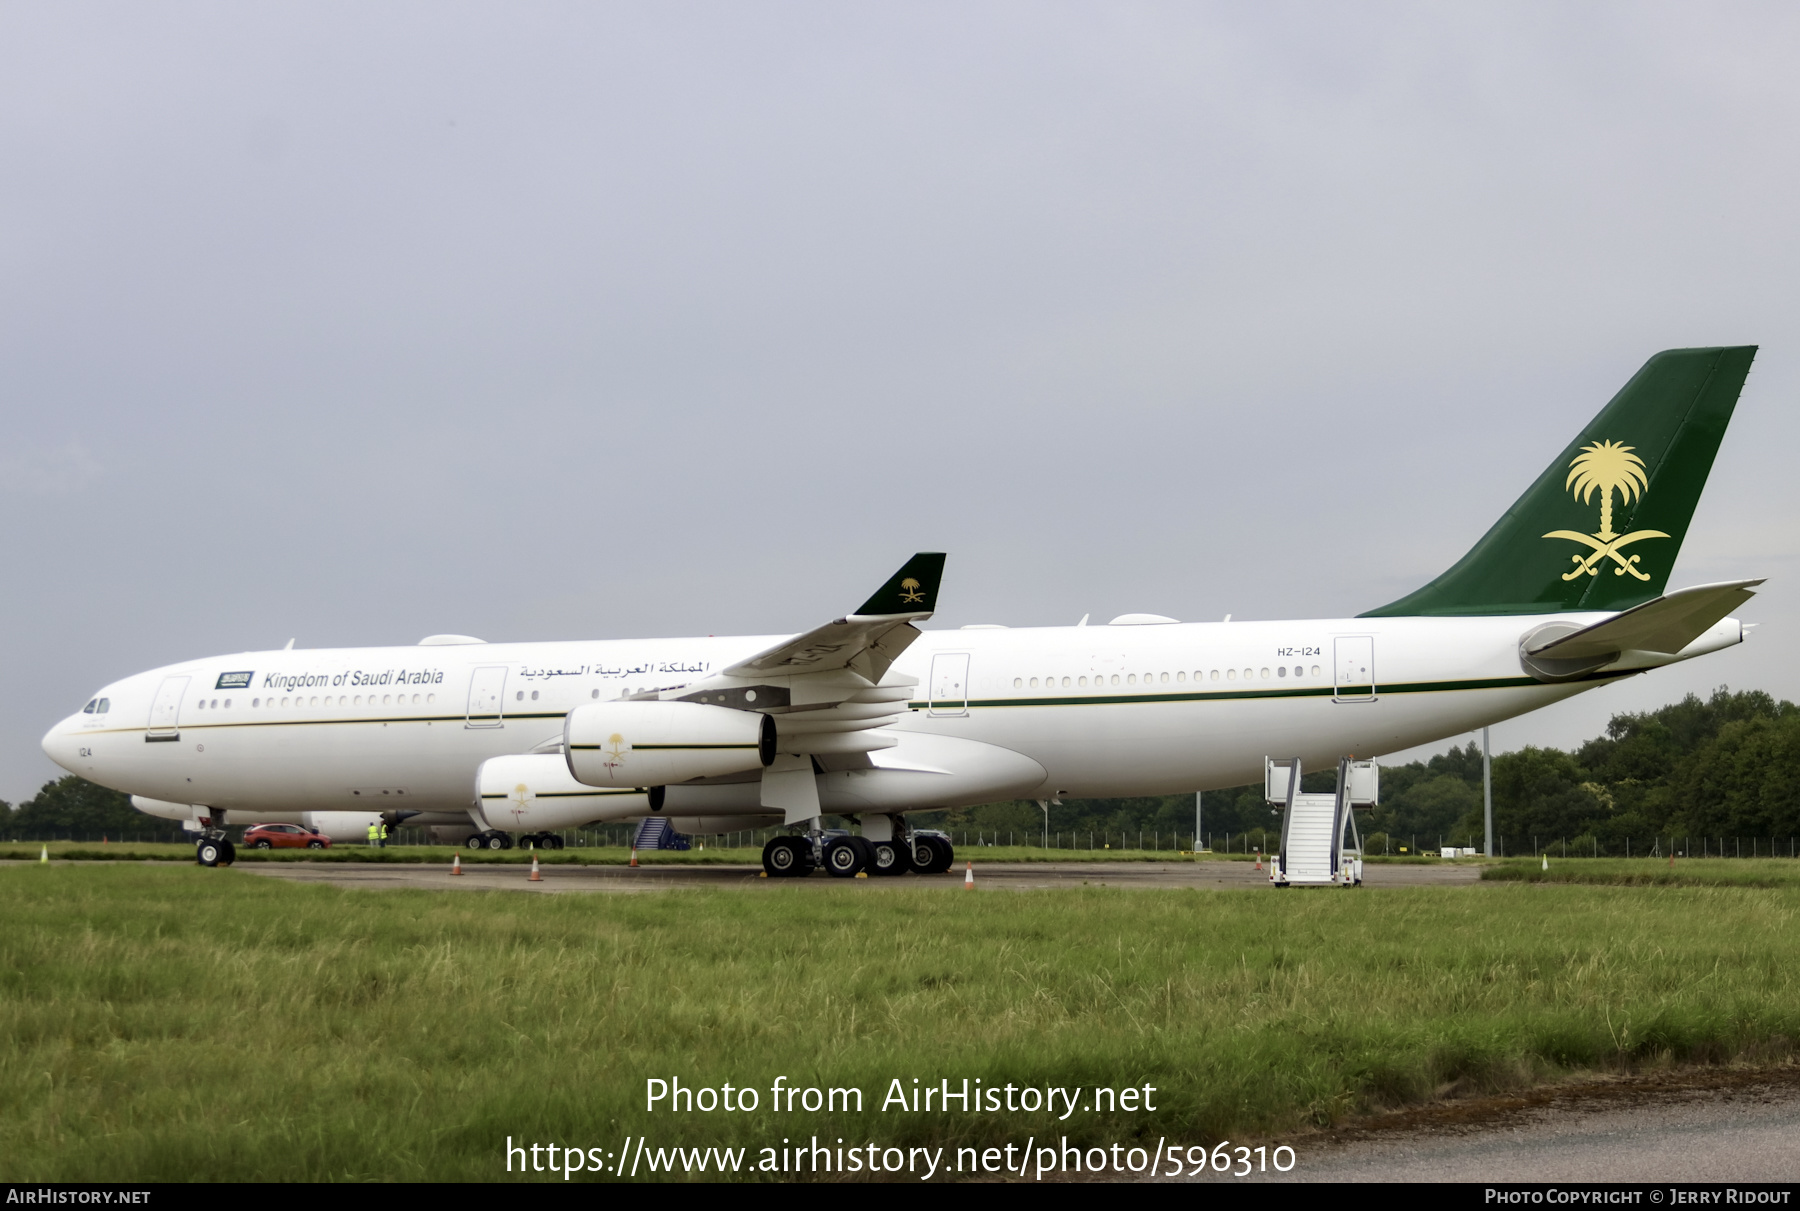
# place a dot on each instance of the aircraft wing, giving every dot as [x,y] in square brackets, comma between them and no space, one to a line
[1665,625]
[866,642]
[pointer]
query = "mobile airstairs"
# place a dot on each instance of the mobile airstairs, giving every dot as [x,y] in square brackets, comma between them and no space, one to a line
[1312,851]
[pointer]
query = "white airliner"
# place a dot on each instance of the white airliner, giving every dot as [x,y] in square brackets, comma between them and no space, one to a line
[868,717]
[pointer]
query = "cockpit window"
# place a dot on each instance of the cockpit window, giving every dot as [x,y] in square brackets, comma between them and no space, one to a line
[105,706]
[89,708]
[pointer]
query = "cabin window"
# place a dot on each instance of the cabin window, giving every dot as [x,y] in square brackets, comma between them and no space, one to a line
[519,697]
[534,694]
[1282,671]
[228,704]
[1231,674]
[1034,684]
[429,698]
[1265,674]
[1215,675]
[596,693]
[1115,679]
[1065,683]
[256,702]
[1181,676]
[1165,677]
[1315,670]
[1082,680]
[1018,684]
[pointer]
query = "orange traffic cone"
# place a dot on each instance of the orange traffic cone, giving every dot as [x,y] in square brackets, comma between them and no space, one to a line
[103,838]
[1259,859]
[456,864]
[969,876]
[535,877]
[634,855]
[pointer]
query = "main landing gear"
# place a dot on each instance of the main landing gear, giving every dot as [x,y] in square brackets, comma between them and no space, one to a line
[845,856]
[495,839]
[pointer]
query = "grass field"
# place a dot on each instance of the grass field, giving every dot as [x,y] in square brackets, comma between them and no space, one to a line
[1651,872]
[163,1022]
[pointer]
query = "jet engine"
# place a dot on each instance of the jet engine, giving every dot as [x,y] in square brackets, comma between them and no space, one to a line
[533,792]
[645,744]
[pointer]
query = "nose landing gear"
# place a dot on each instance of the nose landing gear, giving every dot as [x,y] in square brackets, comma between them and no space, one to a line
[214,849]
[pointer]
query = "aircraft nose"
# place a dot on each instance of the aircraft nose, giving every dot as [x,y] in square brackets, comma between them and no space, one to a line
[60,746]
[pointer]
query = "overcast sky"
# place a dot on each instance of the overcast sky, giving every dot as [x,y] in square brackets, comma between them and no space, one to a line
[357,322]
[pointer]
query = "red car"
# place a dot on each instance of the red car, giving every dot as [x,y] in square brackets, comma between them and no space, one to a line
[284,836]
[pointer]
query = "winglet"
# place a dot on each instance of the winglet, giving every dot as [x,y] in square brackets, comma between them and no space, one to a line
[912,590]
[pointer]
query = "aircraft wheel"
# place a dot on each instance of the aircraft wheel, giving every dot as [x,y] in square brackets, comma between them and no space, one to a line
[476,841]
[786,858]
[209,853]
[497,841]
[933,855]
[845,856]
[889,858]
[551,842]
[230,854]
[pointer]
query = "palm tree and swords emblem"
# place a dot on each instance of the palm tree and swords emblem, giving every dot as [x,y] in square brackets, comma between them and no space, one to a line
[1606,467]
[520,799]
[615,756]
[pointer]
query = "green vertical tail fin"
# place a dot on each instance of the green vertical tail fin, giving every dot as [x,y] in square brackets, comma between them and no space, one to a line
[1601,527]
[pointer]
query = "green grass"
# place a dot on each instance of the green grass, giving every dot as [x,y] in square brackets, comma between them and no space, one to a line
[1651,872]
[164,1022]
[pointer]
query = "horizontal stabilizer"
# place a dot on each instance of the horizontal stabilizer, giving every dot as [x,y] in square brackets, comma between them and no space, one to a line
[1665,625]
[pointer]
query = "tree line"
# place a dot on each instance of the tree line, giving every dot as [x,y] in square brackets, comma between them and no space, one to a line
[72,808]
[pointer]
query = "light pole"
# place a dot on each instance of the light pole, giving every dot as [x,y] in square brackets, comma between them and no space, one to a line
[1044,806]
[1197,833]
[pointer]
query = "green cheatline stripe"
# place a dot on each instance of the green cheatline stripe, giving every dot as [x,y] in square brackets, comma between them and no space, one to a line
[1417,687]
[661,748]
[596,793]
[478,719]
[1353,691]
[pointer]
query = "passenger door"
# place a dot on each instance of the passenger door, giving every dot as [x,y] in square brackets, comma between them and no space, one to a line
[165,710]
[1353,671]
[487,696]
[950,684]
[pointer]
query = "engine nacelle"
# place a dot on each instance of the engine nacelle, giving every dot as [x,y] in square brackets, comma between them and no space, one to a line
[645,744]
[533,793]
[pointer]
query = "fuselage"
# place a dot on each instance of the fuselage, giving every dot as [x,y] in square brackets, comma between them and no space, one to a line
[1101,710]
